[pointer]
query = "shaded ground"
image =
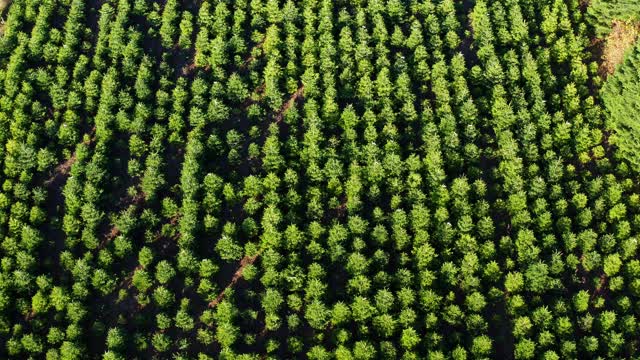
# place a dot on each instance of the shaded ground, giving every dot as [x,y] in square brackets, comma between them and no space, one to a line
[61,171]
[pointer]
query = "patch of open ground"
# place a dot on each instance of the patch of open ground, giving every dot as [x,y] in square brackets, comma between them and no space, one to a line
[621,39]
[247,260]
[4,4]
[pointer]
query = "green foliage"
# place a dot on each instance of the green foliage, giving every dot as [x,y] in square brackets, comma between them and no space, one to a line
[620,100]
[602,13]
[266,179]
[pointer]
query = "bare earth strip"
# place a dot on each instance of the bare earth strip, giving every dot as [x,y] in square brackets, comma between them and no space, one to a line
[4,4]
[63,169]
[622,38]
[247,260]
[292,100]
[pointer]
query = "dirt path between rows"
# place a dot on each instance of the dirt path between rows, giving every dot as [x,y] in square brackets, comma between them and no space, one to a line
[299,94]
[63,169]
[247,260]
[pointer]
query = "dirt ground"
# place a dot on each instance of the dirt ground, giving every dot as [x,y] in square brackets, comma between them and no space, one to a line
[4,4]
[622,38]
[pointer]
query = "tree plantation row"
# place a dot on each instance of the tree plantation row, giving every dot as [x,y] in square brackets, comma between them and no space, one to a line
[315,179]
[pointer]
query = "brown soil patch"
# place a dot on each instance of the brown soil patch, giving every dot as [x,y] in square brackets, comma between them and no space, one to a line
[622,37]
[251,58]
[62,170]
[237,276]
[4,4]
[109,237]
[189,69]
[292,100]
[136,200]
[584,4]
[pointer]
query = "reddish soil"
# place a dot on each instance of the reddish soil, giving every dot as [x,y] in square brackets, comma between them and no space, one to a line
[62,170]
[237,276]
[292,100]
[601,289]
[251,58]
[136,200]
[190,68]
[112,234]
